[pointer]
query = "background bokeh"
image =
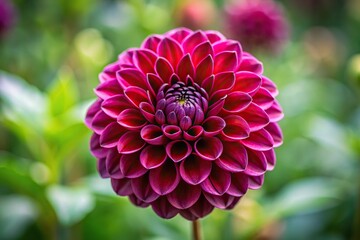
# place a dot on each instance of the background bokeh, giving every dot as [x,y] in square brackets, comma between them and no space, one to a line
[50,56]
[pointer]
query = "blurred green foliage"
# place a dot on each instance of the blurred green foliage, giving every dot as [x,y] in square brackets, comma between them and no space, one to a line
[49,188]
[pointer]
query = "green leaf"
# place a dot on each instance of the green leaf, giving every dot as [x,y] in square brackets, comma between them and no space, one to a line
[71,204]
[62,93]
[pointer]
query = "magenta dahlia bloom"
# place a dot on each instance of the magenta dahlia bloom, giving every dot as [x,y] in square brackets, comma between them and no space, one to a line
[257,24]
[185,123]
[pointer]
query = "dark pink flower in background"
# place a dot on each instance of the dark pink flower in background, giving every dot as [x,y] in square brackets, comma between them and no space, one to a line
[257,24]
[7,17]
[185,123]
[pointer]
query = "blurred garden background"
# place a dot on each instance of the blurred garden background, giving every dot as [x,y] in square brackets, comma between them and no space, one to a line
[51,53]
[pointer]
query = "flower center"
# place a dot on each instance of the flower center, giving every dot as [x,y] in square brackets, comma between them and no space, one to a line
[181,104]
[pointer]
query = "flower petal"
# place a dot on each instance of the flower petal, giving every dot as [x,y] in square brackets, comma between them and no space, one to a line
[255,116]
[178,150]
[113,105]
[131,77]
[164,178]
[239,184]
[130,142]
[275,112]
[270,159]
[236,128]
[193,40]
[110,137]
[95,148]
[108,89]
[144,60]
[171,50]
[112,163]
[204,69]
[152,42]
[225,61]
[185,68]
[195,170]
[193,133]
[251,64]
[260,140]
[184,195]
[234,157]
[237,101]
[164,69]
[122,186]
[201,208]
[143,190]
[218,181]
[275,132]
[208,148]
[154,83]
[228,45]
[213,125]
[256,163]
[131,119]
[222,84]
[255,182]
[136,95]
[270,86]
[163,208]
[153,135]
[137,202]
[101,167]
[92,111]
[130,165]
[147,111]
[152,156]
[214,36]
[221,202]
[263,98]
[100,121]
[179,34]
[201,51]
[208,84]
[247,82]
[172,131]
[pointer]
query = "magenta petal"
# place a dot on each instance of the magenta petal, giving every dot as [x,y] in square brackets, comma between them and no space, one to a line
[130,165]
[275,132]
[153,134]
[256,163]
[216,107]
[218,181]
[233,203]
[130,142]
[113,105]
[164,69]
[214,36]
[131,77]
[229,45]
[178,150]
[260,140]
[221,202]
[144,60]
[270,86]
[251,64]
[193,133]
[100,121]
[275,112]
[204,69]
[92,111]
[154,82]
[179,34]
[143,190]
[236,128]
[137,202]
[165,178]
[208,84]
[186,213]
[209,148]
[270,159]
[173,132]
[237,101]
[122,187]
[184,195]
[247,82]
[194,169]
[113,164]
[185,68]
[151,42]
[201,208]
[222,84]
[147,111]
[101,167]
[109,138]
[108,89]
[201,51]
[263,98]
[171,50]
[255,116]
[136,95]
[239,184]
[225,61]
[153,156]
[213,125]
[193,40]
[95,148]
[255,182]
[131,119]
[163,208]
[234,157]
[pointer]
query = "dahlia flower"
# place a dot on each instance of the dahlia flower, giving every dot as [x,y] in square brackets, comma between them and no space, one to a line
[185,123]
[7,16]
[257,24]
